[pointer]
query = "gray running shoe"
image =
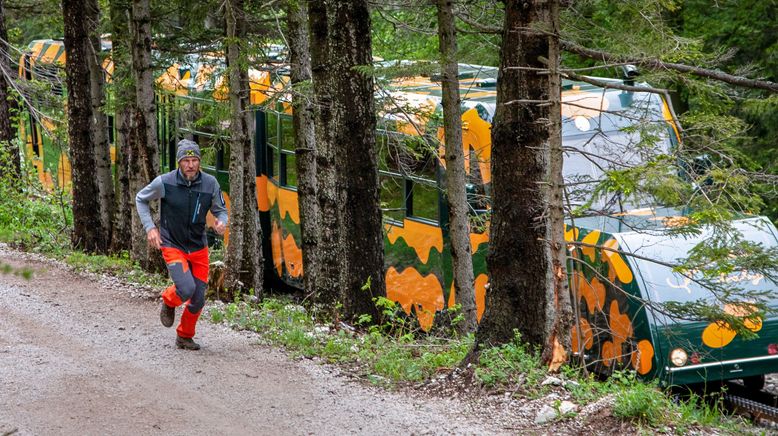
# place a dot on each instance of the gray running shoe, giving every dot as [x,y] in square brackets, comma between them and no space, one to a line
[186,343]
[167,314]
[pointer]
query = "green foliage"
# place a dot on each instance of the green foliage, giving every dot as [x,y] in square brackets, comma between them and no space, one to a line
[30,217]
[511,363]
[380,357]
[39,20]
[118,265]
[641,402]
[410,32]
[25,273]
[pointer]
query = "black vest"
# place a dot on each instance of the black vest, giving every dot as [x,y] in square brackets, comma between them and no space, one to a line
[183,210]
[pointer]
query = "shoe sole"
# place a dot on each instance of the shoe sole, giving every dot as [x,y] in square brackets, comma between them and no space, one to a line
[165,319]
[187,347]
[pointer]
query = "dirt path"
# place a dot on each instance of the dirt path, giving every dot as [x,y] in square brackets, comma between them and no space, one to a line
[77,357]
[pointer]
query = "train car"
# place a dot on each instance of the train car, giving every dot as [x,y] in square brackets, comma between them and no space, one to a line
[617,295]
[40,130]
[619,300]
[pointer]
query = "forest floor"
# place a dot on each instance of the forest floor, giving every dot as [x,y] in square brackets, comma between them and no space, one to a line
[82,354]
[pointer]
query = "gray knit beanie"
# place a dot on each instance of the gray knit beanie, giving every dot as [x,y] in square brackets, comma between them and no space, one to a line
[187,148]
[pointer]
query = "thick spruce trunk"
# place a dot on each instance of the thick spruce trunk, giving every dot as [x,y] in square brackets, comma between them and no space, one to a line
[327,287]
[354,124]
[99,128]
[520,259]
[7,128]
[304,139]
[244,254]
[144,161]
[87,227]
[459,228]
[351,237]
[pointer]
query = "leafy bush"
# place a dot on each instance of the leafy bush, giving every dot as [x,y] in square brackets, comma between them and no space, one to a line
[30,217]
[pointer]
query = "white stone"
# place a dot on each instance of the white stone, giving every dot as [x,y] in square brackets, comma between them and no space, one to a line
[551,381]
[546,414]
[567,407]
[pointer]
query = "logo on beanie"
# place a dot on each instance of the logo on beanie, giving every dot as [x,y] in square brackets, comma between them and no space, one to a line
[190,152]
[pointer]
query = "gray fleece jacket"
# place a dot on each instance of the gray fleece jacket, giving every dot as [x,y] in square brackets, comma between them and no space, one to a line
[183,208]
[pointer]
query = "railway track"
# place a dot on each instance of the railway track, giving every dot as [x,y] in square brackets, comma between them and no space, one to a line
[761,406]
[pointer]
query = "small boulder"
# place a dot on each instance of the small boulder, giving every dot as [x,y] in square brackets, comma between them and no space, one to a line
[567,407]
[546,414]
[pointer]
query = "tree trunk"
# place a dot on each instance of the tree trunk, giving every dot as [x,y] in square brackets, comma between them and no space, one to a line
[244,254]
[124,103]
[304,139]
[559,303]
[354,124]
[327,286]
[7,130]
[459,229]
[144,162]
[99,129]
[87,227]
[520,260]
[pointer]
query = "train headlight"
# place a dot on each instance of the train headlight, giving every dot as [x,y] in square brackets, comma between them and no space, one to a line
[772,349]
[678,357]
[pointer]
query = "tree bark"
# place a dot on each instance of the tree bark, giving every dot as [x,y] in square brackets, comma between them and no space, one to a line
[244,254]
[459,228]
[124,103]
[520,260]
[354,123]
[559,302]
[7,130]
[99,129]
[327,286]
[87,227]
[144,161]
[351,237]
[304,139]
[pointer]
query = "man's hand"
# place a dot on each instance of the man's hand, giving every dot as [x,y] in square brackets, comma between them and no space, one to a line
[152,236]
[219,227]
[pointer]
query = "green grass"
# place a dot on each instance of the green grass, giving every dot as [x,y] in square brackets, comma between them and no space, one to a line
[119,265]
[512,363]
[400,358]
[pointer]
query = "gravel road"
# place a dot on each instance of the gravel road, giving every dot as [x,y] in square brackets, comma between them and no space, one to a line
[78,357]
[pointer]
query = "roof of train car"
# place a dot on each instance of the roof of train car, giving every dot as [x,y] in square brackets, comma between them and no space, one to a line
[478,88]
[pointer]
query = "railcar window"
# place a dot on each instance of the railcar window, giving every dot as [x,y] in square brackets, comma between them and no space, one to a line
[207,151]
[424,199]
[223,155]
[392,197]
[408,167]
[287,133]
[273,162]
[290,168]
[272,127]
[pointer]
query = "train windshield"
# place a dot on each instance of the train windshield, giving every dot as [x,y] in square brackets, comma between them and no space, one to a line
[662,284]
[610,130]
